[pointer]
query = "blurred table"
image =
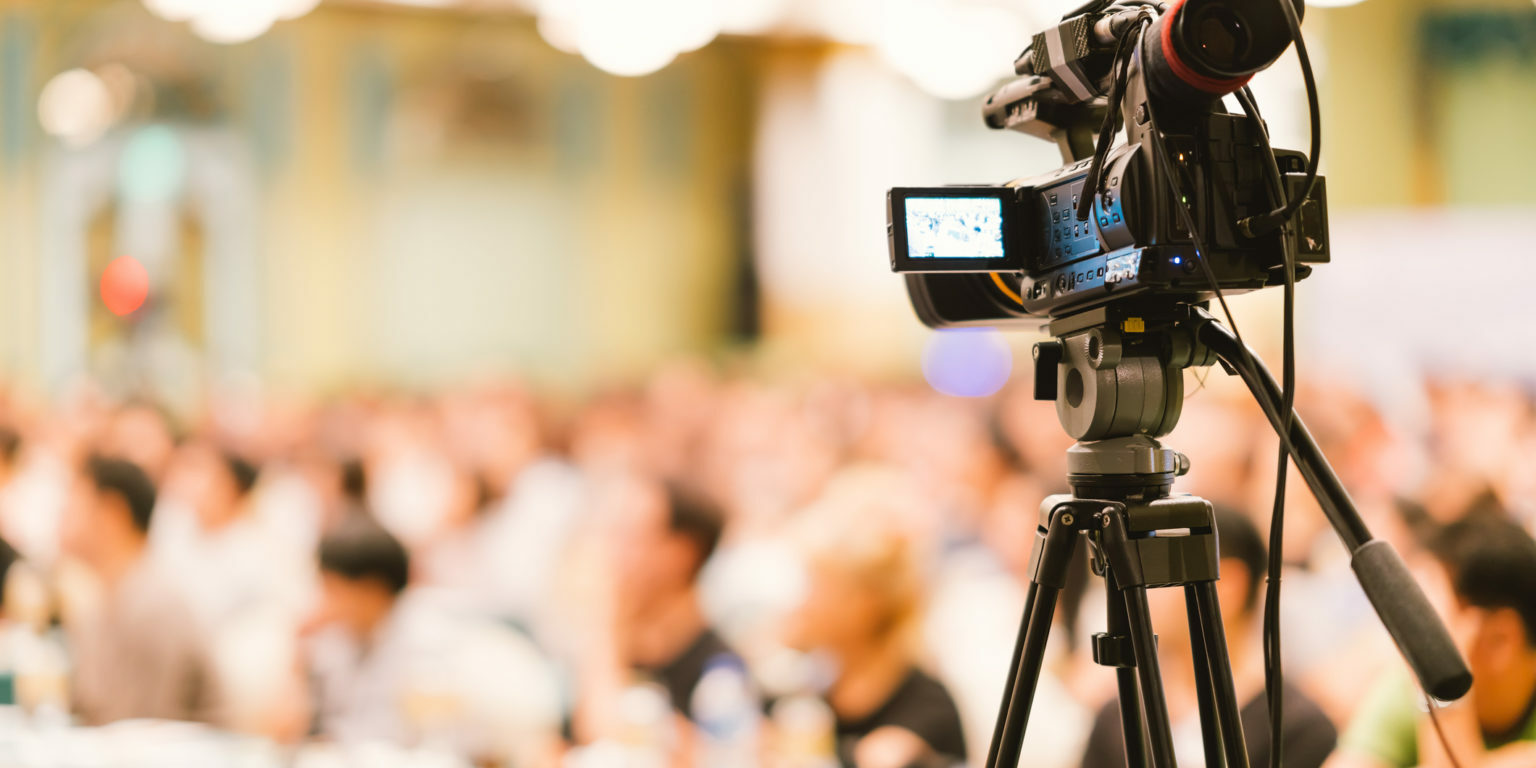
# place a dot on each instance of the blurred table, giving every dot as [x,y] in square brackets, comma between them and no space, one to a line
[48,740]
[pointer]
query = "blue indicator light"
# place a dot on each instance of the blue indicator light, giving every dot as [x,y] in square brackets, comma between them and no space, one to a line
[1177,260]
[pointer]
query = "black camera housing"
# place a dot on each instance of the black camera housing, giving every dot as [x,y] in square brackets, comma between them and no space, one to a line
[1130,242]
[1135,243]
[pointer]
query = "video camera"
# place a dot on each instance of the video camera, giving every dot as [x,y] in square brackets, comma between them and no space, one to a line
[1119,249]
[1132,223]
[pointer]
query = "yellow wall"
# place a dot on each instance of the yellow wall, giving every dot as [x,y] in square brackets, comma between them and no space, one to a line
[586,226]
[1397,133]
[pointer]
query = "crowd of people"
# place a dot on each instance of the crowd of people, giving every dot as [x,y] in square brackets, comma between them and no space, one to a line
[713,568]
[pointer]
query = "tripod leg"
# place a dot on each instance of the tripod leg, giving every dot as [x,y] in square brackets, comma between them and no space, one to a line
[1130,718]
[1125,566]
[1153,701]
[1125,681]
[1210,726]
[1053,555]
[1228,710]
[1013,671]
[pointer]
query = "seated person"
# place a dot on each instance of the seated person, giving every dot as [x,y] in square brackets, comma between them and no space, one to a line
[658,538]
[1490,564]
[387,665]
[137,651]
[863,609]
[1309,735]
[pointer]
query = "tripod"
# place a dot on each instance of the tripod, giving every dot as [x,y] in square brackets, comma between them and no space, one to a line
[1116,374]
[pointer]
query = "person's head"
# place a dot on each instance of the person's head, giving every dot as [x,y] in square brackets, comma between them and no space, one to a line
[1244,563]
[10,451]
[1490,562]
[337,482]
[214,481]
[864,579]
[142,433]
[466,497]
[363,570]
[662,536]
[110,507]
[8,558]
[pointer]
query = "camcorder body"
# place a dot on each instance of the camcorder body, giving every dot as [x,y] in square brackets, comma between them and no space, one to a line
[1031,249]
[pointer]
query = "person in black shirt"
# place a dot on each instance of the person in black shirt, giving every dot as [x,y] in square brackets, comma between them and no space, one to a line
[1309,735]
[861,608]
[659,537]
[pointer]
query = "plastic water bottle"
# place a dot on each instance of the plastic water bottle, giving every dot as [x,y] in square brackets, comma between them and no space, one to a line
[724,707]
[807,731]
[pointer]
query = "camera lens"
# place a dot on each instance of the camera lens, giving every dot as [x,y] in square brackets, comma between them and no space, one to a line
[1222,38]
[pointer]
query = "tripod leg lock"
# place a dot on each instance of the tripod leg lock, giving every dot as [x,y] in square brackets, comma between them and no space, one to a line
[1113,651]
[1119,550]
[1055,542]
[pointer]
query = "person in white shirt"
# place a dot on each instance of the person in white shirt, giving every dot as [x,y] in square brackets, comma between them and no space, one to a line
[388,665]
[247,578]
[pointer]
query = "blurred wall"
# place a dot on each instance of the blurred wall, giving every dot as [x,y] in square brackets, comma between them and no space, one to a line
[422,196]
[412,197]
[1429,102]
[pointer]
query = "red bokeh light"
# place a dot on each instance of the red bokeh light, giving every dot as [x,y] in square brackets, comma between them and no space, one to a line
[124,285]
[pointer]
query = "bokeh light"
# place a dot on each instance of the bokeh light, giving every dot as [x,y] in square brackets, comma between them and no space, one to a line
[750,17]
[967,362]
[76,106]
[558,26]
[698,23]
[124,285]
[627,38]
[174,10]
[233,21]
[623,37]
[952,49]
[153,166]
[287,10]
[230,21]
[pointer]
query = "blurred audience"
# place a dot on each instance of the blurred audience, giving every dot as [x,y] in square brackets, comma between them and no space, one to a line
[137,647]
[710,569]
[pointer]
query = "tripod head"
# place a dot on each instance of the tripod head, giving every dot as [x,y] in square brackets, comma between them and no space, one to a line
[1116,375]
[1117,378]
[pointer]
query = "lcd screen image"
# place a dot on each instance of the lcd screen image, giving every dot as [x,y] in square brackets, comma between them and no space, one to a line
[954,228]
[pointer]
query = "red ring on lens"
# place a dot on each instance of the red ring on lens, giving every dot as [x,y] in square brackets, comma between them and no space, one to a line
[1184,71]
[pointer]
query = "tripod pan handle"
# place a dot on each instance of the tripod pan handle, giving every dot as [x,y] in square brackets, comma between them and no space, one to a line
[1412,622]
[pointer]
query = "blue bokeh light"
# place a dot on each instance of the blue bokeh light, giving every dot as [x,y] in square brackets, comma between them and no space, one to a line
[153,166]
[967,362]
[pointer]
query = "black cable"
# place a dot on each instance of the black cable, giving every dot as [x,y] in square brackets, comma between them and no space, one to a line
[1273,668]
[1286,211]
[1273,671]
[1434,719]
[1120,68]
[1160,152]
[1269,222]
[1325,484]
